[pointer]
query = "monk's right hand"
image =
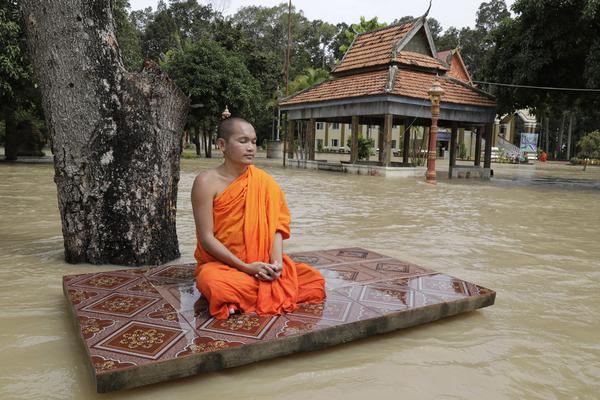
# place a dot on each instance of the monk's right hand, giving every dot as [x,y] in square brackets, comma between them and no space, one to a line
[261,271]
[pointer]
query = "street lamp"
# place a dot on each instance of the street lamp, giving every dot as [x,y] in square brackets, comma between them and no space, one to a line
[435,95]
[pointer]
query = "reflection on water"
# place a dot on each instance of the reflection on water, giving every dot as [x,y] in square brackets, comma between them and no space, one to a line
[531,234]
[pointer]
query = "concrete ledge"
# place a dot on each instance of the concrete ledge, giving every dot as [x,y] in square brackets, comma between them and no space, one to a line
[464,171]
[143,326]
[359,169]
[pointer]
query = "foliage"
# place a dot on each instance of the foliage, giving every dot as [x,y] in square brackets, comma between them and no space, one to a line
[15,70]
[213,77]
[462,151]
[128,37]
[308,78]
[160,36]
[589,145]
[365,147]
[18,90]
[549,43]
[363,26]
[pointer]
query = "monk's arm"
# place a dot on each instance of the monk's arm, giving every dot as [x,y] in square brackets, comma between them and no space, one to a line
[277,249]
[203,194]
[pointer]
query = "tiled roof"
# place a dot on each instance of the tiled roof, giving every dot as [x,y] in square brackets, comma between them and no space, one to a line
[419,60]
[443,55]
[416,84]
[453,59]
[365,84]
[373,48]
[408,83]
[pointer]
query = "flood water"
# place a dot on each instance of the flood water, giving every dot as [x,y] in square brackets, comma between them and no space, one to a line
[532,234]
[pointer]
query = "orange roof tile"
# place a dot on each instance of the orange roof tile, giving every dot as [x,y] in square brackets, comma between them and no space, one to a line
[419,60]
[373,48]
[408,83]
[365,84]
[443,55]
[416,84]
[458,69]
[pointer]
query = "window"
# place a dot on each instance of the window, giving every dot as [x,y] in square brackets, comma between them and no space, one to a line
[334,143]
[320,126]
[335,125]
[349,127]
[393,143]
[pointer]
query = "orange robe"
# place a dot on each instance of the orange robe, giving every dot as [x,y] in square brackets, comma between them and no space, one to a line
[246,216]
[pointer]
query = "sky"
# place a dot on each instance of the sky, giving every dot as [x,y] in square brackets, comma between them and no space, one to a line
[457,13]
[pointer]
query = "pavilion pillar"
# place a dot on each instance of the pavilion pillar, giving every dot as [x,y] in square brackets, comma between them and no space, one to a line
[386,147]
[406,144]
[343,135]
[290,138]
[478,147]
[453,145]
[380,133]
[354,143]
[461,139]
[326,135]
[487,157]
[312,127]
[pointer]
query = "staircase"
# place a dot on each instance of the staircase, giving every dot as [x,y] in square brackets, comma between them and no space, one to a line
[510,150]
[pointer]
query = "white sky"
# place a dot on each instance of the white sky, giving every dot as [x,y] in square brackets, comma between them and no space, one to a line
[458,13]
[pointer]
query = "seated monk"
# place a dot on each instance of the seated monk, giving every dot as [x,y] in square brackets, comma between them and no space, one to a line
[241,222]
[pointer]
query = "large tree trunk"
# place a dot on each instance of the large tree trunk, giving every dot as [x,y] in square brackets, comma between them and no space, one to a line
[115,136]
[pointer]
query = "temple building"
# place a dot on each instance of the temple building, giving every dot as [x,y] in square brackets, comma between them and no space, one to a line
[379,91]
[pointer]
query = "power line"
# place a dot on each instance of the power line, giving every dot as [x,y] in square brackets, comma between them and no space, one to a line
[565,89]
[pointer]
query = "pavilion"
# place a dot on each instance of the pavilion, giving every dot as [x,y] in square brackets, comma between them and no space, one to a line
[383,79]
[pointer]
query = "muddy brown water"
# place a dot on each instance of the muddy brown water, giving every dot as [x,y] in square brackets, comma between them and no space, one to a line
[532,234]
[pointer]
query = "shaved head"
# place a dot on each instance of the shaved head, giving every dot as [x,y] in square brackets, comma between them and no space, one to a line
[228,126]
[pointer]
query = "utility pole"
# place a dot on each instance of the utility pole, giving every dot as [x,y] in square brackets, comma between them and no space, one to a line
[287,74]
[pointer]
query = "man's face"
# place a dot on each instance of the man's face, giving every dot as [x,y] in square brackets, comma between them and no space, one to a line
[241,145]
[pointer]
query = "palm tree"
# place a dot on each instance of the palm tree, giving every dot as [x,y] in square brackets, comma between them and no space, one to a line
[309,77]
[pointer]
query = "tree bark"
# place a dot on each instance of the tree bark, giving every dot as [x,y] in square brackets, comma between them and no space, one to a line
[115,136]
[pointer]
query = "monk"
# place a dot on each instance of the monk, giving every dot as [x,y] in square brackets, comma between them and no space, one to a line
[241,221]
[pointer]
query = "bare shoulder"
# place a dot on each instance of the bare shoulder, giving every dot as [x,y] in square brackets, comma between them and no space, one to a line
[206,183]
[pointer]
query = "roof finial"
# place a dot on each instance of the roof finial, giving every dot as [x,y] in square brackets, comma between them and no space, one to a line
[427,12]
[225,114]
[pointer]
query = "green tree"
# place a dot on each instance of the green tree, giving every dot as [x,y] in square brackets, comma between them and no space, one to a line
[528,52]
[476,44]
[213,77]
[19,97]
[308,78]
[450,39]
[363,26]
[589,147]
[128,36]
[160,36]
[191,18]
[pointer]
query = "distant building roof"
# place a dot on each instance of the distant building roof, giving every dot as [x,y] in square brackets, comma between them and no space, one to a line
[396,60]
[454,61]
[406,82]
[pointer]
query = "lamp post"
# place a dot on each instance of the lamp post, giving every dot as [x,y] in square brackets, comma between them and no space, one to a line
[435,94]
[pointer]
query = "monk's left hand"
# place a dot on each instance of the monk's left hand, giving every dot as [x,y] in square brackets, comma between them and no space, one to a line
[277,268]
